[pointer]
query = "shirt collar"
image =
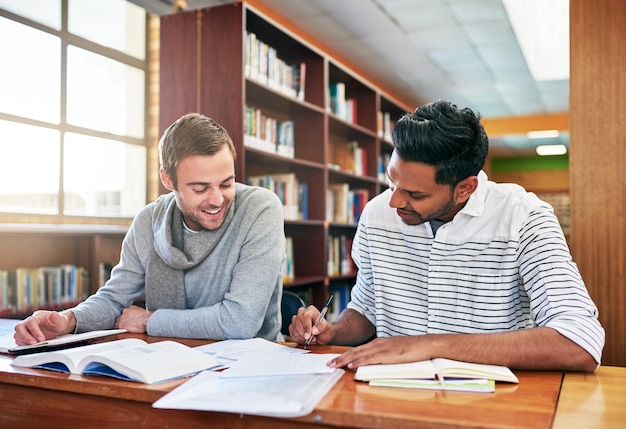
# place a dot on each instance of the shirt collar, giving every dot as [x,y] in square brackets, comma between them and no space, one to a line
[476,203]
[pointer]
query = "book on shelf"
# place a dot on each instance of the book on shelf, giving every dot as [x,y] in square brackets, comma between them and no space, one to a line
[268,134]
[128,359]
[383,162]
[8,344]
[288,266]
[289,189]
[24,290]
[351,111]
[104,272]
[349,157]
[341,291]
[262,63]
[303,201]
[387,126]
[340,261]
[338,202]
[345,205]
[437,373]
[337,98]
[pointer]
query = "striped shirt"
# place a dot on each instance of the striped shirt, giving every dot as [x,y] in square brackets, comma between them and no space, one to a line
[501,264]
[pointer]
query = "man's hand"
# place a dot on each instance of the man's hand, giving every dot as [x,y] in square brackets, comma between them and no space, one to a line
[303,326]
[134,319]
[43,325]
[385,350]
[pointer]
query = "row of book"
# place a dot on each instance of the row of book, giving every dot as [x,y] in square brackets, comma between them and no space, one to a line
[340,262]
[268,134]
[27,289]
[345,205]
[383,163]
[385,125]
[293,193]
[344,108]
[341,292]
[262,64]
[288,266]
[349,157]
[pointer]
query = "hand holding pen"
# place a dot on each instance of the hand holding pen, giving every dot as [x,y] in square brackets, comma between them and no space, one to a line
[319,319]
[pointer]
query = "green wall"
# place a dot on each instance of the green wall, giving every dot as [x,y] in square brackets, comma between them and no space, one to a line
[530,163]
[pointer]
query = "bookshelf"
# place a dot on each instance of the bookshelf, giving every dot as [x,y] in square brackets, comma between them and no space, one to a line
[35,246]
[249,73]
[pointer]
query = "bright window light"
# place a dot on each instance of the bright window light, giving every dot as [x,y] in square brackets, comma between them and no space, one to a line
[552,149]
[542,30]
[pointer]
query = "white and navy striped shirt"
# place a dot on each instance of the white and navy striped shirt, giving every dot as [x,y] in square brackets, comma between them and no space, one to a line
[501,264]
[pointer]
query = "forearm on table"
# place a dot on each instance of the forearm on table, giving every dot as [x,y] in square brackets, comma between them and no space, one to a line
[352,328]
[534,348]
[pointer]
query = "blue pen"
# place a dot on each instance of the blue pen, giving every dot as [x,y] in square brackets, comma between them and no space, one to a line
[319,319]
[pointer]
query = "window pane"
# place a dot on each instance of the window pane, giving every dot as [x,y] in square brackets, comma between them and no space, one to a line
[47,12]
[30,75]
[29,177]
[104,95]
[103,177]
[112,23]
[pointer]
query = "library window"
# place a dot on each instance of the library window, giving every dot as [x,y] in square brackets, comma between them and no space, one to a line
[72,108]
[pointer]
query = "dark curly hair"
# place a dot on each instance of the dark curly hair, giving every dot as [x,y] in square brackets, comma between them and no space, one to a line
[439,134]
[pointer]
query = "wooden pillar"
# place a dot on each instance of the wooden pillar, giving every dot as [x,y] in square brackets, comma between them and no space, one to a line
[598,160]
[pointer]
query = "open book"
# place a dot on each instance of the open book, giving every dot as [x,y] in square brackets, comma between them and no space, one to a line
[127,359]
[438,373]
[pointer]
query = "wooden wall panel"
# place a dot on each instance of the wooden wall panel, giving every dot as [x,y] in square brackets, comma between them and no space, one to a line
[597,157]
[535,181]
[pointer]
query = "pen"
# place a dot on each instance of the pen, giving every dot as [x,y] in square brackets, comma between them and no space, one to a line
[319,319]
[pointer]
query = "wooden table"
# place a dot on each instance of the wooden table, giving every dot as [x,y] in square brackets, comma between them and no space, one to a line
[41,398]
[596,400]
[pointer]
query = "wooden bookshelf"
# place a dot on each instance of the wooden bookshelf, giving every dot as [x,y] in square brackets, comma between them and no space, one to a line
[205,67]
[36,245]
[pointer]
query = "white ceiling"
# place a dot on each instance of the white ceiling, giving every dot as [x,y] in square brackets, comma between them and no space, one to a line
[422,50]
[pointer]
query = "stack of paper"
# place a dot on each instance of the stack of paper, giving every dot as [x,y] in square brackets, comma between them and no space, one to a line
[263,378]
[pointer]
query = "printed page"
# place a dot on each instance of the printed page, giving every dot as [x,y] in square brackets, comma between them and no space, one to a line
[279,396]
[279,363]
[228,351]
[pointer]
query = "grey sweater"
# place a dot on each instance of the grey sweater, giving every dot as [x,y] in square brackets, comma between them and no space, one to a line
[221,284]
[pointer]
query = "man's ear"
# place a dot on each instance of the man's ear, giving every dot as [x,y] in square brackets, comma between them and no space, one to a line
[465,188]
[166,180]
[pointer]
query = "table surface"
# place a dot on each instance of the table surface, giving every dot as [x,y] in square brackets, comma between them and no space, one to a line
[530,404]
[593,400]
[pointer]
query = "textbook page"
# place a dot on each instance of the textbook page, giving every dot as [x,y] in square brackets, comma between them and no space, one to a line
[453,368]
[277,396]
[129,359]
[149,363]
[70,360]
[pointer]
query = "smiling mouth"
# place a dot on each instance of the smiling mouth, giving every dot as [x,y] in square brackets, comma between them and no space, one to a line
[212,212]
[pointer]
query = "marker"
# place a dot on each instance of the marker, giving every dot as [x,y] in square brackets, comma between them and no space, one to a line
[319,319]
